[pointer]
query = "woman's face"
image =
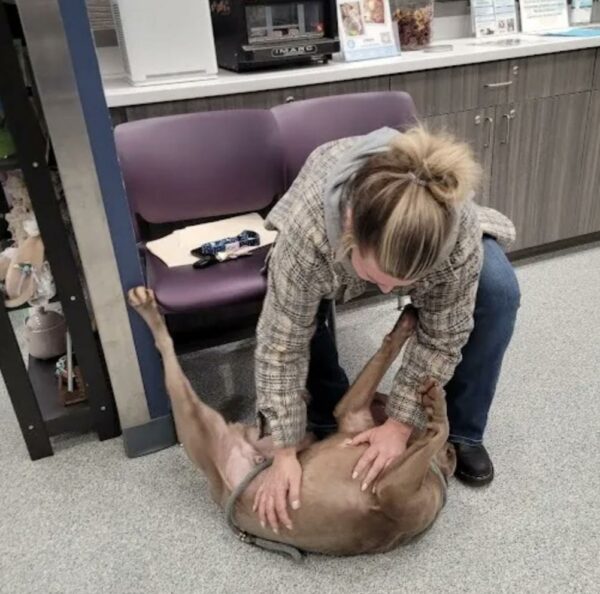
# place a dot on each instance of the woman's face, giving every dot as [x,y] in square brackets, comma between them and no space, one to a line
[367,269]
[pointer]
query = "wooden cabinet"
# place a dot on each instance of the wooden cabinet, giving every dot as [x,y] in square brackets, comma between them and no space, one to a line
[536,169]
[589,198]
[597,71]
[476,126]
[551,74]
[242,101]
[261,99]
[461,88]
[526,121]
[531,153]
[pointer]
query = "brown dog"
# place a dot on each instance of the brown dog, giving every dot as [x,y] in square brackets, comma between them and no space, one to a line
[336,517]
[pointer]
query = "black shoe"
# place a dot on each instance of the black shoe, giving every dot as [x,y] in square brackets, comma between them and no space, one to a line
[473,465]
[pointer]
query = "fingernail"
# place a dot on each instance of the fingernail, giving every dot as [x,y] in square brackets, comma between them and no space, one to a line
[276,530]
[373,490]
[289,526]
[347,441]
[354,475]
[295,505]
[262,524]
[364,487]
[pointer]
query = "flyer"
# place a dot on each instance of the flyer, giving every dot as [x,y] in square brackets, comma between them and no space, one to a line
[493,17]
[543,15]
[581,12]
[366,29]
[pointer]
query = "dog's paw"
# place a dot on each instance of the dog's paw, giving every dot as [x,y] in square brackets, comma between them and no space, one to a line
[434,400]
[141,298]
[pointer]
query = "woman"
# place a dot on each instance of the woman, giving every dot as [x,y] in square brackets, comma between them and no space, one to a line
[395,210]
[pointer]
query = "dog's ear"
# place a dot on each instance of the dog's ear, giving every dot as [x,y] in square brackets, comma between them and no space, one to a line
[446,460]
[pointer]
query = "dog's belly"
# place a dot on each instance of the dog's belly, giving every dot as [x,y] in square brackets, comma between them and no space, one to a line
[335,517]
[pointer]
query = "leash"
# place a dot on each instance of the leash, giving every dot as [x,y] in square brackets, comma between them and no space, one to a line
[263,543]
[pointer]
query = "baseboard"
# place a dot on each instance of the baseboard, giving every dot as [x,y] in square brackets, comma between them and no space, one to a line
[153,436]
[555,246]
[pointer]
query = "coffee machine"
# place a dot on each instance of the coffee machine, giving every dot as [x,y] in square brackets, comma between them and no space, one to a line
[257,34]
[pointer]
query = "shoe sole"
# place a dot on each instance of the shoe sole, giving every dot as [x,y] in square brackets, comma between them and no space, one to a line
[475,481]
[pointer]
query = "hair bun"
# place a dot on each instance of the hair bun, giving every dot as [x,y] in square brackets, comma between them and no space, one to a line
[446,166]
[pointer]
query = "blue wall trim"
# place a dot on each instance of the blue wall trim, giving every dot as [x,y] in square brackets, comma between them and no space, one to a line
[99,127]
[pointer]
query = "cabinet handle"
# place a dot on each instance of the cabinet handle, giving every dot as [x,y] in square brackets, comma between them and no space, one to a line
[498,85]
[489,121]
[290,99]
[508,117]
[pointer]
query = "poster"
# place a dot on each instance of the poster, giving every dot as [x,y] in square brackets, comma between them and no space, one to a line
[493,17]
[543,15]
[366,29]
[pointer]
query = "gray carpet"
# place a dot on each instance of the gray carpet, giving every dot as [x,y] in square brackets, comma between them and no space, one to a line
[91,520]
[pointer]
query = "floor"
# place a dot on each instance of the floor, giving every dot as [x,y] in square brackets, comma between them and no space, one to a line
[91,520]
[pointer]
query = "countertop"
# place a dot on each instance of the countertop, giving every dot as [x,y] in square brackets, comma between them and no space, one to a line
[464,51]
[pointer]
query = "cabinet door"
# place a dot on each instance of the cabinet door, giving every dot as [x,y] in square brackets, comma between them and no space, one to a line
[589,213]
[475,126]
[460,88]
[552,74]
[536,169]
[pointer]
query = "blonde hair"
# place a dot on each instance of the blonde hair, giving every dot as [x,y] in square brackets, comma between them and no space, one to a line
[405,201]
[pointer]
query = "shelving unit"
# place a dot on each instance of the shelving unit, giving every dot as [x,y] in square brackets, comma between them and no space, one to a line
[33,388]
[5,165]
[9,164]
[57,418]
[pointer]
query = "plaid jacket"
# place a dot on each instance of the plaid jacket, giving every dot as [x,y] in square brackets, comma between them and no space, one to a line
[302,270]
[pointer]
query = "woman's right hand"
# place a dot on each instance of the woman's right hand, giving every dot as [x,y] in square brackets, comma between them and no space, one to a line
[281,484]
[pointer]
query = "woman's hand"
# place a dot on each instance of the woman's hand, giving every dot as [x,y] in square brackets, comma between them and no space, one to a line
[280,486]
[386,443]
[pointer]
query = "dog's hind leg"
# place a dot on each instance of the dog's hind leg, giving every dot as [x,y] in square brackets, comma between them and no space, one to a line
[353,412]
[208,440]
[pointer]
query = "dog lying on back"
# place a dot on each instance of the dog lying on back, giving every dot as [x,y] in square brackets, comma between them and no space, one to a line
[336,517]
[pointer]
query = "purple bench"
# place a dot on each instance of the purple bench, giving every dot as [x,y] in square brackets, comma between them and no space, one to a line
[195,167]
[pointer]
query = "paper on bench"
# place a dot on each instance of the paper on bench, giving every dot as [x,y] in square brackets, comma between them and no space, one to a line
[174,249]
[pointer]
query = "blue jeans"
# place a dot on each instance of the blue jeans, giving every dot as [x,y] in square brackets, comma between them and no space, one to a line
[470,392]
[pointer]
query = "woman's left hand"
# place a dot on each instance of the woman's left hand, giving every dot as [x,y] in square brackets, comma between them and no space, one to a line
[386,443]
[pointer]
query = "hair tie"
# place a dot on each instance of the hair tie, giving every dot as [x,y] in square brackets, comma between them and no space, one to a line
[416,180]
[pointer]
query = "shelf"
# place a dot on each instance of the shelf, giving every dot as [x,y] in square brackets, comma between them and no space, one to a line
[54,299]
[58,418]
[9,164]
